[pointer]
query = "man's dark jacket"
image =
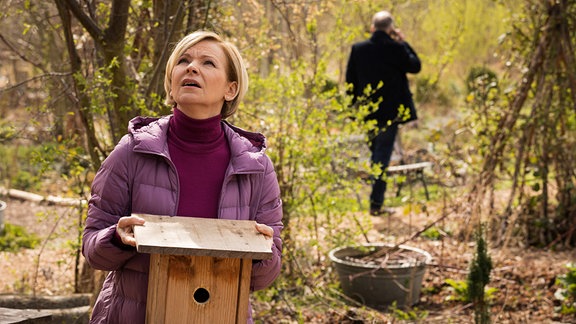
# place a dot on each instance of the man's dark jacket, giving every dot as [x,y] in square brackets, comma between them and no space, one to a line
[381,59]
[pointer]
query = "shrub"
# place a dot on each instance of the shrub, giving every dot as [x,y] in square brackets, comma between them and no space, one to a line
[14,238]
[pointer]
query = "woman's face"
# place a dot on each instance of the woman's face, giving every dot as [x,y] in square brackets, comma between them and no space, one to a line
[200,82]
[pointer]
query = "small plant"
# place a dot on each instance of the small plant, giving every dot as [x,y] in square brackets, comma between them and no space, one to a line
[567,292]
[15,238]
[435,234]
[459,289]
[412,314]
[479,277]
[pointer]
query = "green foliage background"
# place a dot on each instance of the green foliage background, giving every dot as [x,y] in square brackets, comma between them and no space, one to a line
[296,51]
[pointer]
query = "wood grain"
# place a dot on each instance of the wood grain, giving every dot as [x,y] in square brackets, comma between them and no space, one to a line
[174,235]
[222,285]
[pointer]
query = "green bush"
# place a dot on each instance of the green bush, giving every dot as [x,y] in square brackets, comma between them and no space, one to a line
[429,90]
[14,238]
[567,292]
[481,77]
[25,180]
[19,168]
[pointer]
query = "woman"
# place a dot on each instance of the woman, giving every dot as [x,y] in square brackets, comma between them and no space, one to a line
[191,163]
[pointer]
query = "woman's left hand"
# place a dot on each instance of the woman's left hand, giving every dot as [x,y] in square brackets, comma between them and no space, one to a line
[267,231]
[125,229]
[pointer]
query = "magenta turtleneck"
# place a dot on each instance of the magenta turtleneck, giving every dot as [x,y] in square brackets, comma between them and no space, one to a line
[200,152]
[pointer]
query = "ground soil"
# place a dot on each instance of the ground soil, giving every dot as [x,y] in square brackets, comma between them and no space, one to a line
[525,278]
[49,268]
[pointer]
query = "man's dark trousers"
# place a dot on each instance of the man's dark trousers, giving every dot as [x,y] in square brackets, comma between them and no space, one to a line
[381,146]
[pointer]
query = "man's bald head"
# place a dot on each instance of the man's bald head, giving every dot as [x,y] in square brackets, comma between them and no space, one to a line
[382,21]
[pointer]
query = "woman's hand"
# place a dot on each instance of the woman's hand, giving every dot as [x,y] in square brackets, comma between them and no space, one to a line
[125,229]
[267,231]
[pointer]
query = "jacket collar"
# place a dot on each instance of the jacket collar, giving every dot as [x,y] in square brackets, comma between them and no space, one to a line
[147,131]
[150,136]
[246,149]
[380,36]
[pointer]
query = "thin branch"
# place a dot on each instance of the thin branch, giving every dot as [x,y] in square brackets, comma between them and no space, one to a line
[385,251]
[160,65]
[20,55]
[566,50]
[291,32]
[41,76]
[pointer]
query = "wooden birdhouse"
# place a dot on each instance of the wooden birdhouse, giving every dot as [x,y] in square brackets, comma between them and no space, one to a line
[199,268]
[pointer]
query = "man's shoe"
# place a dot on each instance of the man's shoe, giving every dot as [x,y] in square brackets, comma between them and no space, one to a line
[382,211]
[375,212]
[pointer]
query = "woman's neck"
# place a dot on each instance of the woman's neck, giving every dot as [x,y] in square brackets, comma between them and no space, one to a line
[195,130]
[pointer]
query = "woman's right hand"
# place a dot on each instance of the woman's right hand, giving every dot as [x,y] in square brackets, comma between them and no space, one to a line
[125,229]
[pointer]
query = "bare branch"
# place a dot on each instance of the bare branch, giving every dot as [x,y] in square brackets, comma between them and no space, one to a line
[20,55]
[88,23]
[45,75]
[159,67]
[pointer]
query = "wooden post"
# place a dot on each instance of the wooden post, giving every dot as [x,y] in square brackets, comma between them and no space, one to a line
[199,268]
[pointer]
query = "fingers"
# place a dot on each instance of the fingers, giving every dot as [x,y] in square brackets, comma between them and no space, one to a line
[130,221]
[126,235]
[265,229]
[125,229]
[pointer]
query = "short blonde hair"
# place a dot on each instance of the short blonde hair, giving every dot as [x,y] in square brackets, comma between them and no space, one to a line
[236,68]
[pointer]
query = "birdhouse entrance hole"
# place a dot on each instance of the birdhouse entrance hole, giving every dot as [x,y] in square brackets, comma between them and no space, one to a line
[201,295]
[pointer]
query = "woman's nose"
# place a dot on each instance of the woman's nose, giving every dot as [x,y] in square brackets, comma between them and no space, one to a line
[191,68]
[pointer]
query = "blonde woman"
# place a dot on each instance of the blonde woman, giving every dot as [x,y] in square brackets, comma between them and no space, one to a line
[191,163]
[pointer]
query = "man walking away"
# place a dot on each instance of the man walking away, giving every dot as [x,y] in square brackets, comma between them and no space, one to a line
[382,62]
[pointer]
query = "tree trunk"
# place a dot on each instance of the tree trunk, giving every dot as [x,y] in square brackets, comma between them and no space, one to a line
[82,100]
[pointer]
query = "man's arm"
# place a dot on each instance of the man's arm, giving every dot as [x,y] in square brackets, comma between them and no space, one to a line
[351,78]
[413,64]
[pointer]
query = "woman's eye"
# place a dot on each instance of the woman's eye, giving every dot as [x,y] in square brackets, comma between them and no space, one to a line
[183,61]
[209,63]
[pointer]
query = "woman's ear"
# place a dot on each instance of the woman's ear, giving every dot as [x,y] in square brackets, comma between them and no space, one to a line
[232,91]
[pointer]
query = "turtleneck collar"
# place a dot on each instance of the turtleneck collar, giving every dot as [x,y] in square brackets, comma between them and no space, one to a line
[195,130]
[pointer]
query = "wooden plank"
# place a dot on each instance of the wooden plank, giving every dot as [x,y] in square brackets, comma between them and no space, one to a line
[408,167]
[157,289]
[199,289]
[244,291]
[201,236]
[10,315]
[19,301]
[212,290]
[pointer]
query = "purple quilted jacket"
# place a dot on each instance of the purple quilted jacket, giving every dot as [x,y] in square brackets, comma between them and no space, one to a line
[139,177]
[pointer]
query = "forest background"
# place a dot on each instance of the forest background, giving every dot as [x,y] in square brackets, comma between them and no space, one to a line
[496,104]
